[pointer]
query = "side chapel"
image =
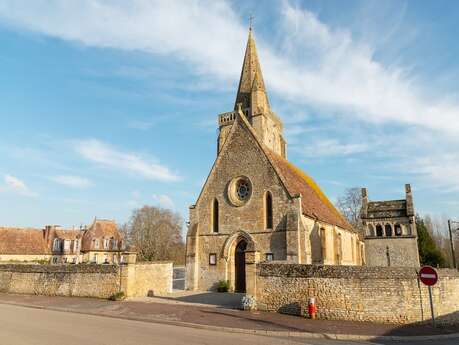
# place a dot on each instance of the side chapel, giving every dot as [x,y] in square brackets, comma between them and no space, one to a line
[255,199]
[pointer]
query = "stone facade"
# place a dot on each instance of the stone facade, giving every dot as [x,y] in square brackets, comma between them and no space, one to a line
[101,281]
[254,199]
[390,231]
[379,294]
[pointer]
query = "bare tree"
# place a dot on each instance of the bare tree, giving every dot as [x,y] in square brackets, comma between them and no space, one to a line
[155,233]
[349,204]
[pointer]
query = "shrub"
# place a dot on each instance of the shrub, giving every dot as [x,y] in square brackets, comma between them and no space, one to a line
[119,296]
[223,286]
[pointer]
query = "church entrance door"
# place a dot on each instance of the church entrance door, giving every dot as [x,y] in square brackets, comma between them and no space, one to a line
[239,261]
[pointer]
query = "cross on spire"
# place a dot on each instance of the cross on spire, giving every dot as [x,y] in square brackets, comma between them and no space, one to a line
[251,21]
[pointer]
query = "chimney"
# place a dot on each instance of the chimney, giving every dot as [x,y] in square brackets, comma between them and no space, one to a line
[46,232]
[364,209]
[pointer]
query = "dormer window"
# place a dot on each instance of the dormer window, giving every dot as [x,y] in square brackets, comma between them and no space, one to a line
[57,245]
[95,243]
[106,243]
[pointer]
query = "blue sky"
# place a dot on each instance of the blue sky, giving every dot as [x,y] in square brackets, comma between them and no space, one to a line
[110,105]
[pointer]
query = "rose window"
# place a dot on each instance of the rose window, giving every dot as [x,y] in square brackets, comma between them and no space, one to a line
[239,190]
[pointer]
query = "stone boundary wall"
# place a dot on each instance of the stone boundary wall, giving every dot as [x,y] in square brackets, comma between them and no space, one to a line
[85,280]
[359,293]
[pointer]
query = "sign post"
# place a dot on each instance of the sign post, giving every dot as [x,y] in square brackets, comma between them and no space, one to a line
[429,277]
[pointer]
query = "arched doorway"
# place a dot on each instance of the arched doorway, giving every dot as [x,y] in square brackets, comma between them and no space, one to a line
[239,266]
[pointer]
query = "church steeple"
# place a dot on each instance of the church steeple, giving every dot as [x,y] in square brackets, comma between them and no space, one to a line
[251,93]
[252,103]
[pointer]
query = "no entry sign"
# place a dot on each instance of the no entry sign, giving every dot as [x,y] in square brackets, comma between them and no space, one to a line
[428,275]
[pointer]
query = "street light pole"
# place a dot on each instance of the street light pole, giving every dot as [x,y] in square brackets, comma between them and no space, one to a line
[451,241]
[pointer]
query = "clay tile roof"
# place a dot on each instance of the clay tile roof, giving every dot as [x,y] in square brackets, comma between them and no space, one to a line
[68,234]
[313,201]
[22,241]
[100,228]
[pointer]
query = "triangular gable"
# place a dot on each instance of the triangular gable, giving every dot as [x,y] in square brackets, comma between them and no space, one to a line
[314,202]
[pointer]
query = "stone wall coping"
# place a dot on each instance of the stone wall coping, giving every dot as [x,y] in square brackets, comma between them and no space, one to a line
[77,268]
[278,269]
[153,262]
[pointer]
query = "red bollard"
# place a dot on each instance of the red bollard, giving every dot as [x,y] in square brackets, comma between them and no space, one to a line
[312,308]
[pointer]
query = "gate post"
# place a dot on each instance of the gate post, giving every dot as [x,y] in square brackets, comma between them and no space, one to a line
[252,258]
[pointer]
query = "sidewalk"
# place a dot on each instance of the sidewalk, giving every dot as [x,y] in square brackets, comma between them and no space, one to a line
[225,319]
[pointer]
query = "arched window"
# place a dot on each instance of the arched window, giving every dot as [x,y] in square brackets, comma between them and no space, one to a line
[215,216]
[371,230]
[388,230]
[269,210]
[323,243]
[379,230]
[398,230]
[338,248]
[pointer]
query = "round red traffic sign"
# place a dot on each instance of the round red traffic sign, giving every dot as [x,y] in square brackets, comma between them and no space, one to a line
[428,275]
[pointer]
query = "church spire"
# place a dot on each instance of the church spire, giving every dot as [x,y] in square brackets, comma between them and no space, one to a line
[251,92]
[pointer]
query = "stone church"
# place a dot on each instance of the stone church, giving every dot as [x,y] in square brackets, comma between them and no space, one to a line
[254,199]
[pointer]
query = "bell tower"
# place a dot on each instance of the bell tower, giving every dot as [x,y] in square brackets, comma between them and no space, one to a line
[252,102]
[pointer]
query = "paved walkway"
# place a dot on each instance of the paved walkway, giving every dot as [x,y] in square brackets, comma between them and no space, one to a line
[197,299]
[186,312]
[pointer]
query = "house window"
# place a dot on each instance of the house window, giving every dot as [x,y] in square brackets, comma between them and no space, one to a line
[66,245]
[105,259]
[212,259]
[94,259]
[95,243]
[398,230]
[114,244]
[269,210]
[379,230]
[106,243]
[215,215]
[57,245]
[54,260]
[269,256]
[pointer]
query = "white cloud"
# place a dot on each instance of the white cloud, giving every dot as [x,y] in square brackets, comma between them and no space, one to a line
[141,125]
[72,181]
[14,184]
[332,147]
[436,170]
[108,156]
[319,66]
[164,201]
[312,64]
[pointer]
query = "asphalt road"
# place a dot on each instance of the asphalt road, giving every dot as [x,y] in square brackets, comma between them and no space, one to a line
[28,326]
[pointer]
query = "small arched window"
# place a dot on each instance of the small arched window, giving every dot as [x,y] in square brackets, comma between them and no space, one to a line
[398,230]
[379,230]
[269,210]
[388,230]
[371,230]
[215,219]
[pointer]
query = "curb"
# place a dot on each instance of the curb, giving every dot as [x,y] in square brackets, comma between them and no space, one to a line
[292,334]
